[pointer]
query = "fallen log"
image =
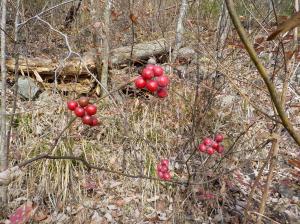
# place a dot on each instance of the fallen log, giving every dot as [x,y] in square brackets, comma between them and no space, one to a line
[44,68]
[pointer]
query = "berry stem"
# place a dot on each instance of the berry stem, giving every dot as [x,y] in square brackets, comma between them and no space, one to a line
[61,133]
[115,90]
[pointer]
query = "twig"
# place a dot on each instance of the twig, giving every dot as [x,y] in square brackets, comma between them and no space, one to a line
[262,215]
[43,12]
[90,167]
[253,187]
[273,155]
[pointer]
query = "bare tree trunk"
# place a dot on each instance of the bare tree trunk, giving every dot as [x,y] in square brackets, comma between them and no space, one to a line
[3,137]
[95,14]
[105,57]
[16,57]
[180,28]
[223,30]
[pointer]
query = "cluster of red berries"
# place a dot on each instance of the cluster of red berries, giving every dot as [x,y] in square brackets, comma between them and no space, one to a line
[209,145]
[82,108]
[163,170]
[153,79]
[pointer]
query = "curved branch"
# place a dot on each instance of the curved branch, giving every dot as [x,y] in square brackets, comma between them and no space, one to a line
[262,71]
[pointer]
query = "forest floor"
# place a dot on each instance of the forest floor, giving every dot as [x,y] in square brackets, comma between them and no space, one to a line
[138,130]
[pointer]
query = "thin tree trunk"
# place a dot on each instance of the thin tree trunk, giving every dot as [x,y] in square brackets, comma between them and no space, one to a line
[16,56]
[180,28]
[95,14]
[3,137]
[105,57]
[223,30]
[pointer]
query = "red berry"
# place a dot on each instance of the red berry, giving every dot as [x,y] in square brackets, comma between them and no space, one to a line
[152,85]
[220,149]
[210,151]
[158,168]
[164,169]
[219,138]
[140,82]
[87,119]
[207,141]
[147,73]
[83,101]
[158,71]
[150,66]
[160,174]
[79,112]
[72,105]
[95,122]
[91,109]
[215,145]
[162,93]
[202,148]
[163,80]
[167,176]
[165,162]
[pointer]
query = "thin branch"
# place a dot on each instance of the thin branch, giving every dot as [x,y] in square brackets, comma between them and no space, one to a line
[91,166]
[43,12]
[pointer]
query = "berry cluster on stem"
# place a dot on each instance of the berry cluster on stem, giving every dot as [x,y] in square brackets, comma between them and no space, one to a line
[210,146]
[163,171]
[85,110]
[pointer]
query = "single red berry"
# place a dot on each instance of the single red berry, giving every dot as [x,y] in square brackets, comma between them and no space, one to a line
[150,66]
[164,169]
[210,151]
[215,145]
[167,176]
[87,119]
[83,101]
[158,71]
[152,86]
[219,138]
[163,80]
[165,162]
[79,112]
[162,93]
[147,73]
[158,168]
[95,122]
[72,105]
[160,174]
[220,149]
[207,141]
[91,109]
[140,82]
[202,148]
